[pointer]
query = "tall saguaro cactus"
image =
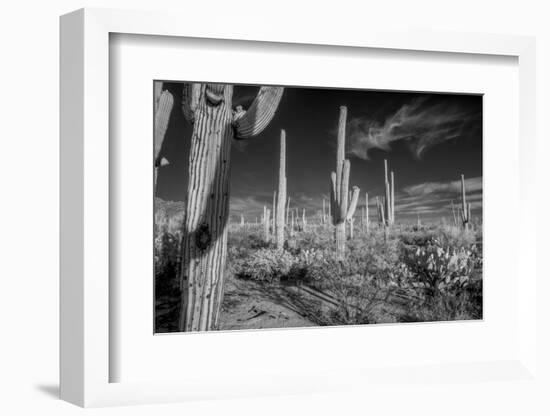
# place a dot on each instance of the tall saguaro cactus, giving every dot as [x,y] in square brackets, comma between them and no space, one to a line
[204,250]
[164,101]
[281,196]
[389,200]
[339,188]
[274,217]
[465,211]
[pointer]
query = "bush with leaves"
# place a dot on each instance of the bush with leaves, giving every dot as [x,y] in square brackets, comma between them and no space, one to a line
[440,270]
[265,264]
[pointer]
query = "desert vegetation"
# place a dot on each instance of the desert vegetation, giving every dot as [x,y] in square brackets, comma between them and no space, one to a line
[406,274]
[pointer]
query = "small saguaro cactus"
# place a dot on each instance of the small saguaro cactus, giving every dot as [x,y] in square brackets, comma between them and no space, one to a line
[339,188]
[465,212]
[164,101]
[209,108]
[281,196]
[455,221]
[267,214]
[381,215]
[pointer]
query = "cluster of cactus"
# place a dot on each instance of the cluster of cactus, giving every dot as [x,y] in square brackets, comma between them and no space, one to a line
[386,207]
[343,202]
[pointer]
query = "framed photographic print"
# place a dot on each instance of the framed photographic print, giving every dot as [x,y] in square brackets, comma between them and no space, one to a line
[330,255]
[267,213]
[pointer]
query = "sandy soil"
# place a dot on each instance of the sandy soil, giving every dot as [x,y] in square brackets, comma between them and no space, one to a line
[251,305]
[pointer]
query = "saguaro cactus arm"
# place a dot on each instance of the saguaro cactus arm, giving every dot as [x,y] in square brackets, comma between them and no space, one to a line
[164,101]
[252,122]
[343,197]
[353,204]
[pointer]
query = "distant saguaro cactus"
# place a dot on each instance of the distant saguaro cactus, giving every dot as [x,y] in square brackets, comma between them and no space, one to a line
[267,214]
[164,101]
[204,250]
[389,200]
[465,212]
[339,188]
[281,196]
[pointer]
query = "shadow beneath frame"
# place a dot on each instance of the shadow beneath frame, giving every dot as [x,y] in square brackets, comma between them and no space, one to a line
[51,390]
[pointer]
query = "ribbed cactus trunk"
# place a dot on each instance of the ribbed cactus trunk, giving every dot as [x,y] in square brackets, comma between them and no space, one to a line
[274,217]
[281,197]
[204,248]
[339,188]
[205,239]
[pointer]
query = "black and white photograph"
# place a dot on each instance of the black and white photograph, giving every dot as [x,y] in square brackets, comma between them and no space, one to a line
[285,207]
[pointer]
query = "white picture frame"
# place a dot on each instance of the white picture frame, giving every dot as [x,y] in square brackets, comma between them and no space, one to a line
[85,165]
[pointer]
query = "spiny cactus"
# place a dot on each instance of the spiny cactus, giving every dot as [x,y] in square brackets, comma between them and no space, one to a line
[381,211]
[208,107]
[389,200]
[465,212]
[455,221]
[281,196]
[339,188]
[274,217]
[164,101]
[267,214]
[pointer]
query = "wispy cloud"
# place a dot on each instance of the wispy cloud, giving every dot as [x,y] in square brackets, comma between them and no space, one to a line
[447,188]
[437,197]
[422,123]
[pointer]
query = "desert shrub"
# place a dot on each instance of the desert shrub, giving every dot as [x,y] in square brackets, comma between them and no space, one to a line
[443,283]
[264,265]
[447,236]
[440,270]
[167,262]
[167,290]
[246,238]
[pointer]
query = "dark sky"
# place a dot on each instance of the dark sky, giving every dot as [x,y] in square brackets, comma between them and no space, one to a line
[428,140]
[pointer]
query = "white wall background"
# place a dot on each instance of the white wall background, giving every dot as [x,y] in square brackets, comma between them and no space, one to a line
[29,208]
